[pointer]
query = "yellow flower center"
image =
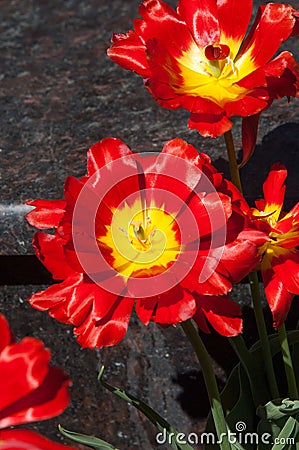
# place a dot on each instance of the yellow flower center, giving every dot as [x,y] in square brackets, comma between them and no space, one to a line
[143,241]
[211,72]
[278,242]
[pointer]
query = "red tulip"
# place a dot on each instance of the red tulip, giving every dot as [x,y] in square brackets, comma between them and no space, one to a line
[280,256]
[198,58]
[165,231]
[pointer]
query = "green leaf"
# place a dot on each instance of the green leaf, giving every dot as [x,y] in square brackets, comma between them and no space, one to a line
[290,430]
[90,441]
[295,358]
[289,406]
[237,399]
[293,338]
[279,419]
[170,436]
[271,411]
[239,407]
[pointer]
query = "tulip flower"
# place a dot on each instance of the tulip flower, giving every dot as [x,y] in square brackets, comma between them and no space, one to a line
[165,232]
[280,256]
[198,58]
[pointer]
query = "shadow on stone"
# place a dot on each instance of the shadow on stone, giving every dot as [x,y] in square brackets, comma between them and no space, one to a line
[193,399]
[280,145]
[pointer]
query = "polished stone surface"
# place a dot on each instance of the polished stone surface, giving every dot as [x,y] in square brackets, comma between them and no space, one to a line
[59,94]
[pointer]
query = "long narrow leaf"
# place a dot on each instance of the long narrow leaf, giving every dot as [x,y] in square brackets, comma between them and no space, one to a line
[177,440]
[90,441]
[288,431]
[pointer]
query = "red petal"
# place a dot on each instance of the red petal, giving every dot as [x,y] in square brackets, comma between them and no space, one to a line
[295,31]
[82,303]
[238,201]
[221,312]
[289,225]
[166,78]
[249,135]
[201,16]
[167,191]
[273,25]
[129,51]
[49,250]
[210,123]
[164,94]
[166,27]
[179,169]
[72,302]
[201,321]
[249,105]
[29,358]
[280,77]
[56,297]
[172,307]
[49,399]
[274,187]
[295,212]
[286,268]
[181,149]
[6,336]
[234,17]
[104,152]
[108,331]
[71,256]
[204,279]
[279,299]
[47,213]
[241,256]
[72,188]
[201,161]
[27,440]
[215,207]
[291,240]
[119,185]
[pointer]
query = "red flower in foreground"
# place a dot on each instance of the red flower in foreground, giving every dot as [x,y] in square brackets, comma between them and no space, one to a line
[165,231]
[280,263]
[195,58]
[30,390]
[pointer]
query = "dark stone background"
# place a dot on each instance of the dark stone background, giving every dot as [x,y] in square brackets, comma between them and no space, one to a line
[60,94]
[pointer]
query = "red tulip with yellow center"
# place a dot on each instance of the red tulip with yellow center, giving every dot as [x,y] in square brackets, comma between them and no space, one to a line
[197,58]
[164,232]
[280,260]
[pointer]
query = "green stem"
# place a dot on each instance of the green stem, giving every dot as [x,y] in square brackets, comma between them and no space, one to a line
[288,364]
[262,330]
[239,346]
[259,389]
[253,280]
[210,381]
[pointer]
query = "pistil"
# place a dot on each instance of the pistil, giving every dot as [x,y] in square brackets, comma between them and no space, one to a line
[215,55]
